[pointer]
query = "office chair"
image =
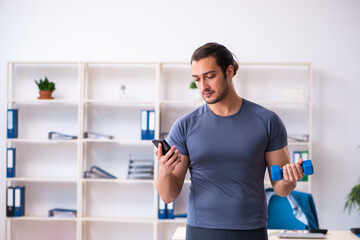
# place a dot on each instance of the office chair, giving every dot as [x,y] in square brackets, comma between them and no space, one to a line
[281,211]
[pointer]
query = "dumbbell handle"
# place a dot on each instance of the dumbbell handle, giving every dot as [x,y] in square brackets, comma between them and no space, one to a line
[277,172]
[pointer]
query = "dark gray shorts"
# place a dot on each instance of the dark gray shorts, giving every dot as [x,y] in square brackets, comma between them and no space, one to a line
[196,233]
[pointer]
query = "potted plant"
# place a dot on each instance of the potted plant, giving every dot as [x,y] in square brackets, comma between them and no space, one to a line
[353,199]
[45,88]
[196,93]
[353,202]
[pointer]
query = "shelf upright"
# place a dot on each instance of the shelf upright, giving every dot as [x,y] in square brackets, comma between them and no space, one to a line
[80,147]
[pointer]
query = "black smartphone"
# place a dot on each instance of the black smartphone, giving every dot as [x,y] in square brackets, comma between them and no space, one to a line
[165,146]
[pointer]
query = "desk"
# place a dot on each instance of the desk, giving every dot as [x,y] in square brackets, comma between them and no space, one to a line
[180,234]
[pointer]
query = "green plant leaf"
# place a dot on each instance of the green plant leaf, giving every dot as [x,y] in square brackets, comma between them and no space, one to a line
[353,199]
[45,85]
[193,85]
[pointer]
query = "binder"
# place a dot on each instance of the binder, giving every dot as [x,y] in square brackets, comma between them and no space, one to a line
[10,202]
[141,169]
[19,201]
[144,124]
[170,210]
[62,213]
[60,136]
[93,135]
[151,119]
[12,123]
[101,172]
[162,209]
[297,156]
[10,162]
[305,156]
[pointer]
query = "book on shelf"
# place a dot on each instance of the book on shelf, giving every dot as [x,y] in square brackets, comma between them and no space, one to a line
[12,123]
[60,136]
[97,172]
[62,213]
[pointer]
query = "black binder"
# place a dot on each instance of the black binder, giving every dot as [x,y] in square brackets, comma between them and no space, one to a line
[10,202]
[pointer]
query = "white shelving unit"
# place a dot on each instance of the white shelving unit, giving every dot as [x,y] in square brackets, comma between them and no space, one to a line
[88,97]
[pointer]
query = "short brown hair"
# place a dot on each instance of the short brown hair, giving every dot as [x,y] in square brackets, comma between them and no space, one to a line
[222,55]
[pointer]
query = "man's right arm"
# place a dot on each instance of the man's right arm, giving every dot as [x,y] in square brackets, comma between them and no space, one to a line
[171,173]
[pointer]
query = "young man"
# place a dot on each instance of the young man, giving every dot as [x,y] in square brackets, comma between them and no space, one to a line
[226,144]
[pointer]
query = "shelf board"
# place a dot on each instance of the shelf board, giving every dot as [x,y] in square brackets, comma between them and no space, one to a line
[175,220]
[185,102]
[118,141]
[43,179]
[43,101]
[118,219]
[274,64]
[121,181]
[41,218]
[293,143]
[265,103]
[34,140]
[120,102]
[44,62]
[199,102]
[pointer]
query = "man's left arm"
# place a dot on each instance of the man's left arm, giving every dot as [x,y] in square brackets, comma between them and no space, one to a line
[292,172]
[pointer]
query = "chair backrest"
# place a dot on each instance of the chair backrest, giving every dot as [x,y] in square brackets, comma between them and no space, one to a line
[280,215]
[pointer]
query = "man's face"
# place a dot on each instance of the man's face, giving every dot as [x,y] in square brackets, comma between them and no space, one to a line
[210,80]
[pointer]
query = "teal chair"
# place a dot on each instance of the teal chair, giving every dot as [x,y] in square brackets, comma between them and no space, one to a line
[280,215]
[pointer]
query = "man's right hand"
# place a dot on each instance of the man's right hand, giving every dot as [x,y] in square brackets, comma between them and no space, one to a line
[167,164]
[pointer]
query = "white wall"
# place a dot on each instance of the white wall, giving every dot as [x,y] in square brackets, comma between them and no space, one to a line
[325,33]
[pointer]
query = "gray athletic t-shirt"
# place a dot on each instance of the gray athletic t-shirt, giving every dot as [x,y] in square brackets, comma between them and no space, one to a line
[227,164]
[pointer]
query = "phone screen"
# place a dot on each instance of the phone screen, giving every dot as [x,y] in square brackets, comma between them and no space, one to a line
[165,146]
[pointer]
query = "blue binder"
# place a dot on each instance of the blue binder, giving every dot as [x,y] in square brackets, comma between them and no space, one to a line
[170,210]
[151,124]
[144,124]
[162,209]
[19,201]
[297,156]
[12,123]
[10,162]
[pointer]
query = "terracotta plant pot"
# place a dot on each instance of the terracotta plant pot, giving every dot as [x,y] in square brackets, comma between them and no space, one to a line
[45,95]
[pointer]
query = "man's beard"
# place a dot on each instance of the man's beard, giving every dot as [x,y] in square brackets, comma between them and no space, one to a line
[221,96]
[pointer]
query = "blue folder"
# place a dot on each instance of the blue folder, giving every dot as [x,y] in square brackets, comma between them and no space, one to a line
[10,162]
[144,124]
[12,123]
[162,209]
[151,124]
[170,210]
[19,201]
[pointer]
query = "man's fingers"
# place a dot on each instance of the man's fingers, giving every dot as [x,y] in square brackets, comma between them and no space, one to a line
[160,149]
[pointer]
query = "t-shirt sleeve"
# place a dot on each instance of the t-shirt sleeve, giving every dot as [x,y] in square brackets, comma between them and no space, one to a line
[276,132]
[177,136]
